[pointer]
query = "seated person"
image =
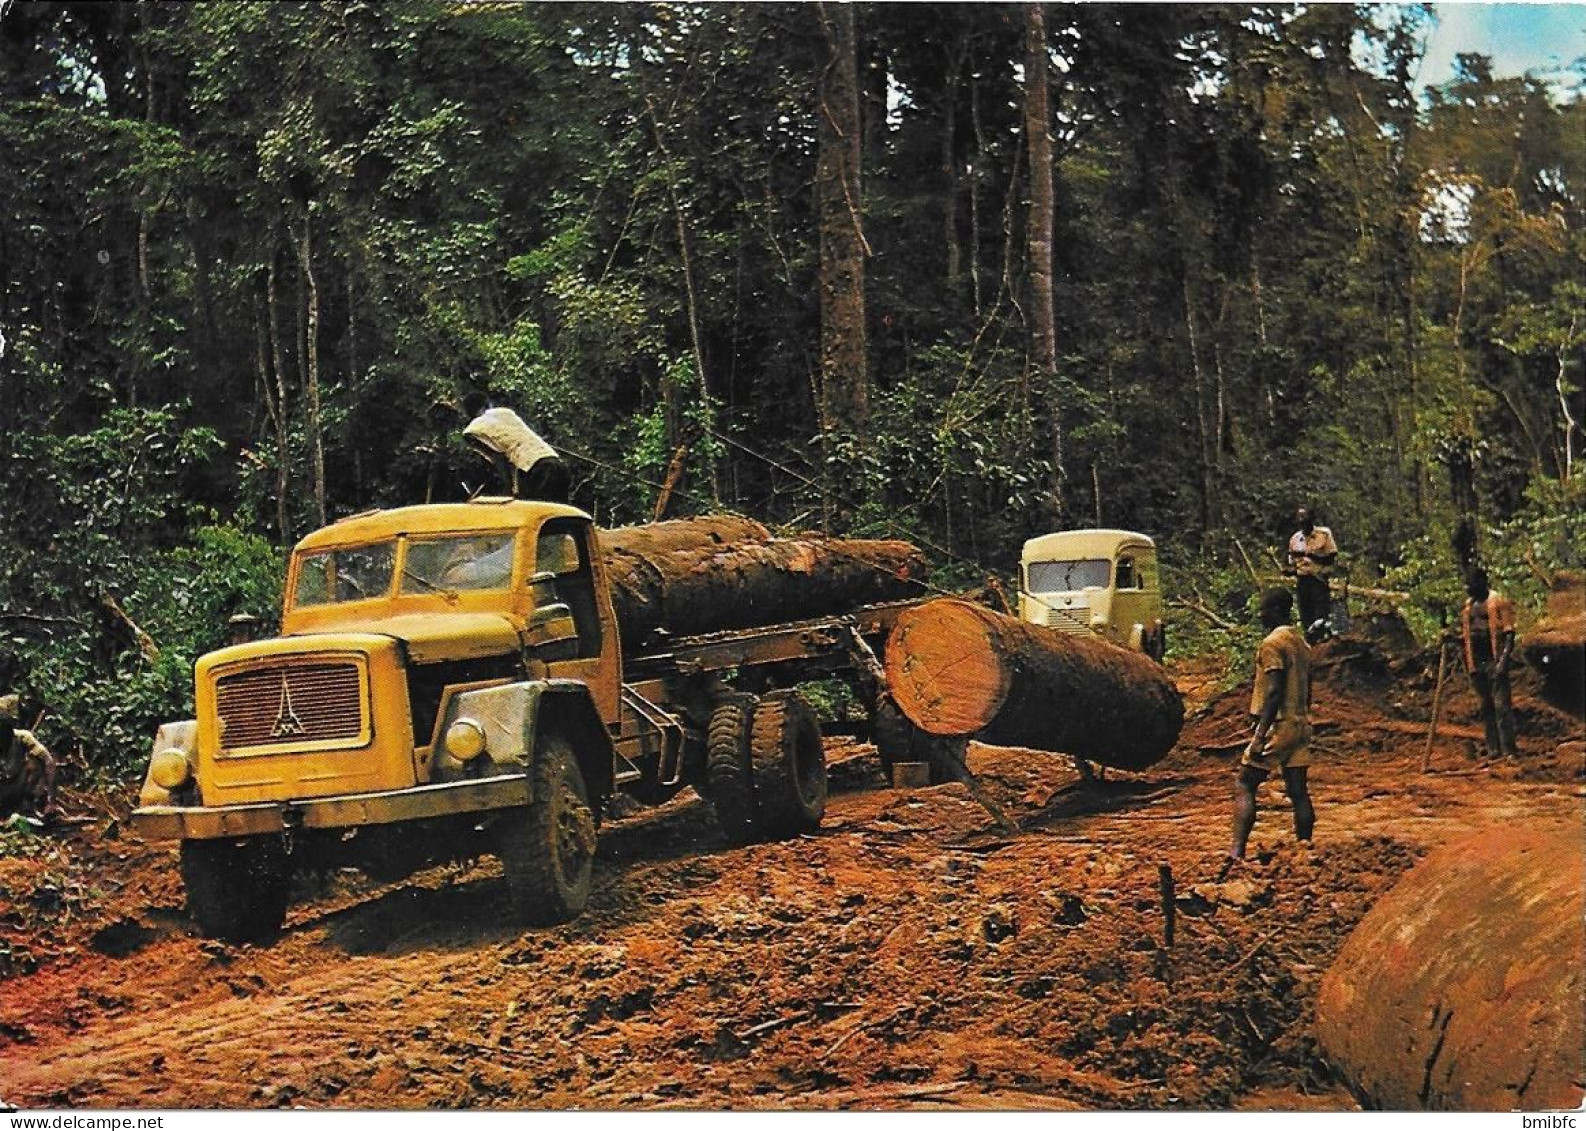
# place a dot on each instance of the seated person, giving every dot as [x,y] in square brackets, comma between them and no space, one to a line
[479,563]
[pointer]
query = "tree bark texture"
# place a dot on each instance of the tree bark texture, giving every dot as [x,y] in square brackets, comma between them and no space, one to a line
[959,669]
[1043,211]
[1461,988]
[314,422]
[712,586]
[844,349]
[682,534]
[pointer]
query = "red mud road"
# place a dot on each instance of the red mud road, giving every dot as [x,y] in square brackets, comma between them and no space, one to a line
[908,955]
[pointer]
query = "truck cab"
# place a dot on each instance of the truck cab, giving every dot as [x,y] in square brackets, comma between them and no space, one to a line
[447,681]
[1096,582]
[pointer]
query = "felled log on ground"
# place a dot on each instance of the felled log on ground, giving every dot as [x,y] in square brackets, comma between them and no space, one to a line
[1556,647]
[959,669]
[666,585]
[1461,989]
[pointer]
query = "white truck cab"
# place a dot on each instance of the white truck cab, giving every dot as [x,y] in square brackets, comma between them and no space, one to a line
[1101,582]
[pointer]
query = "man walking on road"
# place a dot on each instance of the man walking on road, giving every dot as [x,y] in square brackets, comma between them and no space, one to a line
[1281,704]
[1312,552]
[1487,628]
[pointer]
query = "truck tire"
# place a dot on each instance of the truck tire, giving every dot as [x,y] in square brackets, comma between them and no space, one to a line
[789,765]
[899,740]
[237,890]
[729,774]
[1156,642]
[547,848]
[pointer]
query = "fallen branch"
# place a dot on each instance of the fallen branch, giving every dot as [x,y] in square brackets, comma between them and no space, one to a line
[40,618]
[774,1023]
[1251,953]
[1238,545]
[146,645]
[1202,610]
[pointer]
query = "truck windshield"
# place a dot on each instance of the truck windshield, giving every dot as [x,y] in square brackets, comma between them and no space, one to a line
[352,573]
[459,562]
[1069,577]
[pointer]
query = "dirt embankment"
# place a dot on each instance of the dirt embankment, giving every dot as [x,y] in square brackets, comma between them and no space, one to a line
[907,955]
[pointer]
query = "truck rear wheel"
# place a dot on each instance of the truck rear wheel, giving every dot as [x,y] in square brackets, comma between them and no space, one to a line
[789,765]
[237,890]
[547,848]
[729,775]
[899,740]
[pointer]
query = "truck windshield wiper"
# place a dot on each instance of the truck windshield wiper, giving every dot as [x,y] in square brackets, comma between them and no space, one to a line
[449,594]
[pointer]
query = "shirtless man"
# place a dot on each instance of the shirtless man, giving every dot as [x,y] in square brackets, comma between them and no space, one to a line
[1280,702]
[1487,632]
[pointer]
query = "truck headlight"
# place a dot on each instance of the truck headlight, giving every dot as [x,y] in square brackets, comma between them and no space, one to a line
[465,740]
[170,769]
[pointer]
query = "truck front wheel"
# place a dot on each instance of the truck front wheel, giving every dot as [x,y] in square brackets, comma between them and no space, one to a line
[547,848]
[789,765]
[1155,644]
[237,890]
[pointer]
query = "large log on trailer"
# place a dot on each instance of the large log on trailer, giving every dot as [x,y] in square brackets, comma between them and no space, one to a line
[668,586]
[1461,989]
[957,669]
[677,534]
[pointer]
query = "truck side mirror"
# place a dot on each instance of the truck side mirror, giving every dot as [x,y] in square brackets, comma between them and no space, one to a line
[551,633]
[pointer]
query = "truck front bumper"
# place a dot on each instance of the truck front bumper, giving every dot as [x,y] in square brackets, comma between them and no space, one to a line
[444,799]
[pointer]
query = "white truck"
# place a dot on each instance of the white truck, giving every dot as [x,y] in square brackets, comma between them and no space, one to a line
[1100,582]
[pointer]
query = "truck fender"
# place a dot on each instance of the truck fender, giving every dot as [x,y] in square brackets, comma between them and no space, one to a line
[179,736]
[512,716]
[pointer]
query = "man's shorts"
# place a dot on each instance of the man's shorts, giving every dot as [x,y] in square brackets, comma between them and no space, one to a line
[1288,746]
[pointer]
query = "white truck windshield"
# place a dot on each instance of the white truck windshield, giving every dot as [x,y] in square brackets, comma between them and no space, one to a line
[1069,577]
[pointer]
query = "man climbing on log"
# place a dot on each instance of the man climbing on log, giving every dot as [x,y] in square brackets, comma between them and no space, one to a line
[1281,704]
[1312,552]
[1487,631]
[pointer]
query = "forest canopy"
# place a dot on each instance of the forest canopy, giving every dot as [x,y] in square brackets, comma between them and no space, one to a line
[953,273]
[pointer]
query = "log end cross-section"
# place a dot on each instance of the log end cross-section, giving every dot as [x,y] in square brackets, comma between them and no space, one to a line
[948,677]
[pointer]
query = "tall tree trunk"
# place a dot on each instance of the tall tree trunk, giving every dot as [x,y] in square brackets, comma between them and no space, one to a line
[283,455]
[311,364]
[1562,389]
[274,396]
[1208,489]
[974,191]
[677,438]
[1043,208]
[952,182]
[845,399]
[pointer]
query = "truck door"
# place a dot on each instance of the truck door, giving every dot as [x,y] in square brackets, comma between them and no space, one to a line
[565,574]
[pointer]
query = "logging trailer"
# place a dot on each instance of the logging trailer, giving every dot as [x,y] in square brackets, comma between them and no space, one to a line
[450,680]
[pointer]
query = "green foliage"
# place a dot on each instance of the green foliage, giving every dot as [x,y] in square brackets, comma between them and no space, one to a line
[832,699]
[108,705]
[1212,586]
[1282,275]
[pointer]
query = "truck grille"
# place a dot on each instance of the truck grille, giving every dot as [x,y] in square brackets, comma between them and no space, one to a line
[1075,620]
[297,703]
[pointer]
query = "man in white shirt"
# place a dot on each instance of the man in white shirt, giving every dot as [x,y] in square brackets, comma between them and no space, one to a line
[1312,552]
